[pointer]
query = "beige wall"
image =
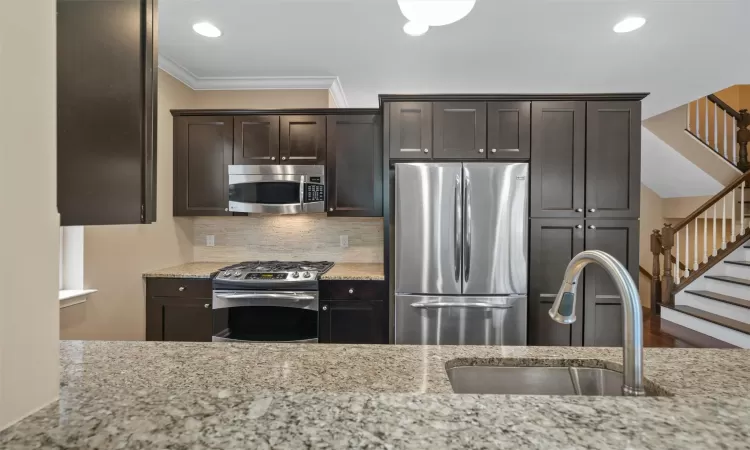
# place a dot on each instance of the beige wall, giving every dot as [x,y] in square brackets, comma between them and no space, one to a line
[29,361]
[270,99]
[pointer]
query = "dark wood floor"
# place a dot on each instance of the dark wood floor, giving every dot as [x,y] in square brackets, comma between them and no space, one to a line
[653,336]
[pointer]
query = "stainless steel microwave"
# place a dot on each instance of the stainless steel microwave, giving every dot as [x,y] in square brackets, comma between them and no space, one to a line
[277,189]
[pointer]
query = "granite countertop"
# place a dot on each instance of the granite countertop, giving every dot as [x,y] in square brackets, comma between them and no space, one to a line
[145,395]
[355,271]
[189,270]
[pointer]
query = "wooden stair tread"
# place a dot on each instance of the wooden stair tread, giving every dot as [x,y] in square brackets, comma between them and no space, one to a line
[738,263]
[736,325]
[722,298]
[735,280]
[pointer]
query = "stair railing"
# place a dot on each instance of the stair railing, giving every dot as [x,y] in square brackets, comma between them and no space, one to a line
[689,242]
[721,128]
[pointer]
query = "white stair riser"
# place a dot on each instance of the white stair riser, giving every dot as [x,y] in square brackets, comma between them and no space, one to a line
[736,270]
[709,329]
[714,306]
[723,287]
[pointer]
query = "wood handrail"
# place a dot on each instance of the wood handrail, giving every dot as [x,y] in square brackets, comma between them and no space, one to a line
[644,271]
[728,109]
[715,199]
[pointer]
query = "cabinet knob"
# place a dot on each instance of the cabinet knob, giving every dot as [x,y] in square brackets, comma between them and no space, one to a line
[330,209]
[579,226]
[427,150]
[181,288]
[579,209]
[273,158]
[207,305]
[325,308]
[494,150]
[283,158]
[592,210]
[351,290]
[481,150]
[592,227]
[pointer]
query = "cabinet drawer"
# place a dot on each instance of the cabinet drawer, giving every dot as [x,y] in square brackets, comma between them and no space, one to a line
[178,287]
[353,290]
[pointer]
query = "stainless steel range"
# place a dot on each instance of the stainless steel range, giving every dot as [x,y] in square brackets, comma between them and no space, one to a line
[267,301]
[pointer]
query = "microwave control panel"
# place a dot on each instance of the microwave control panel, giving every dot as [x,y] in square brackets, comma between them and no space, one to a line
[314,193]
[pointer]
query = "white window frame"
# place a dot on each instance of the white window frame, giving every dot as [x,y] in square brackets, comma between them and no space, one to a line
[72,291]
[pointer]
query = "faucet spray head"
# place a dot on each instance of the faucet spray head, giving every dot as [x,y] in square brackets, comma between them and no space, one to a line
[564,308]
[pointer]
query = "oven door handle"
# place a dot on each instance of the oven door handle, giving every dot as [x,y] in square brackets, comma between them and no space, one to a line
[265,295]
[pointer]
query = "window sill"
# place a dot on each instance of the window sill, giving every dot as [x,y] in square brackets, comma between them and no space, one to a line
[70,297]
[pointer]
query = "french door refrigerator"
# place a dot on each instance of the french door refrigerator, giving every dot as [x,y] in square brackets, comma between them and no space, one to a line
[461,232]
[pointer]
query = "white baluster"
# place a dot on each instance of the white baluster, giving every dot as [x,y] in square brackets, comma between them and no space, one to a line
[734,230]
[705,100]
[742,207]
[698,118]
[688,116]
[734,139]
[687,250]
[695,253]
[705,236]
[715,246]
[724,121]
[716,129]
[724,222]
[677,257]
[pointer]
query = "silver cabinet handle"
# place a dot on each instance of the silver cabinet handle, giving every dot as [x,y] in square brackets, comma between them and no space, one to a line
[181,288]
[592,210]
[351,290]
[226,209]
[579,226]
[427,150]
[592,227]
[330,209]
[273,158]
[494,150]
[481,150]
[302,193]
[457,230]
[460,305]
[207,305]
[324,308]
[283,158]
[467,227]
[579,209]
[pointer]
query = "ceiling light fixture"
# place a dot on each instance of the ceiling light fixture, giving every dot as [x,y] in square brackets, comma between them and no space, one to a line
[206,29]
[629,24]
[435,13]
[415,29]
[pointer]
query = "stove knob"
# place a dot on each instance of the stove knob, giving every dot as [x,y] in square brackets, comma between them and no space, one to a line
[237,273]
[295,275]
[306,274]
[227,273]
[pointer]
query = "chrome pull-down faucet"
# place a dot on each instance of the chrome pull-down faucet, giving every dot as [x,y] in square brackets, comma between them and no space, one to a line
[563,311]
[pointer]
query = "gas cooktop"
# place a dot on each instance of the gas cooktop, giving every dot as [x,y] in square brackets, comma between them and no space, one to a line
[276,271]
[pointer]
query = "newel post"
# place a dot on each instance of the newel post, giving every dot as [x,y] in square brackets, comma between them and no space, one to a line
[667,281]
[743,137]
[656,272]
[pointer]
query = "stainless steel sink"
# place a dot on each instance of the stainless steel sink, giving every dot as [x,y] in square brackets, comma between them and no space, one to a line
[535,380]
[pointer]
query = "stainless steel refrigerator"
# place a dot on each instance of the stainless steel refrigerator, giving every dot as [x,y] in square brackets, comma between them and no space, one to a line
[461,233]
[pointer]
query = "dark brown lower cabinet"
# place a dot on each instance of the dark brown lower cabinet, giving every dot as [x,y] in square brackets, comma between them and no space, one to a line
[353,312]
[553,244]
[178,310]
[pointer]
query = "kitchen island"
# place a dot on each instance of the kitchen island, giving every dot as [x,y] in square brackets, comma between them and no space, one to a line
[225,396]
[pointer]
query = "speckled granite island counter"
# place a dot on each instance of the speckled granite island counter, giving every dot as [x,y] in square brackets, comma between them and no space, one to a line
[151,395]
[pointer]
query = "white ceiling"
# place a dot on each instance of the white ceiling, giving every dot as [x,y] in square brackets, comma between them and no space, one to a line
[688,47]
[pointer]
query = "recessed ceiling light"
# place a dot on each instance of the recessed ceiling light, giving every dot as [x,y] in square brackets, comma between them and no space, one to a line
[206,29]
[436,13]
[629,24]
[415,29]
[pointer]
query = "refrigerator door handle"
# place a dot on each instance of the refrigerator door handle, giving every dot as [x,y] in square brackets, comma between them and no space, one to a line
[457,229]
[467,227]
[460,305]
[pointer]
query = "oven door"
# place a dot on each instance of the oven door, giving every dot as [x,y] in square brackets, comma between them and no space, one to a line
[276,189]
[265,316]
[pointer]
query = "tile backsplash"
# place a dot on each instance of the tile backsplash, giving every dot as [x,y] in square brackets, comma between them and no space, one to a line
[296,238]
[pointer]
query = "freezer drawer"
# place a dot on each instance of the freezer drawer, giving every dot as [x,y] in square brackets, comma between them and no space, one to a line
[444,320]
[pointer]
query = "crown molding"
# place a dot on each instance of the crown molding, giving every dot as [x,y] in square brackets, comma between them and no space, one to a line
[189,79]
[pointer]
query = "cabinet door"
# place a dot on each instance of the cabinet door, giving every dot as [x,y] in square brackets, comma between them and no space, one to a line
[202,155]
[603,309]
[354,166]
[613,159]
[557,159]
[256,140]
[352,322]
[460,130]
[509,130]
[410,130]
[553,244]
[179,319]
[303,140]
[106,103]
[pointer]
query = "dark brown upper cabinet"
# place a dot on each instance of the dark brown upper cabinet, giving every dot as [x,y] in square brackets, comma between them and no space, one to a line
[553,243]
[202,155]
[459,130]
[509,130]
[256,140]
[303,140]
[106,103]
[613,159]
[354,166]
[410,130]
[603,305]
[558,157]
